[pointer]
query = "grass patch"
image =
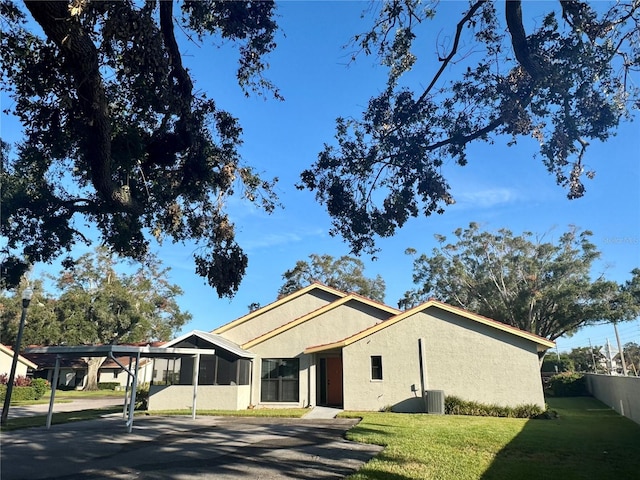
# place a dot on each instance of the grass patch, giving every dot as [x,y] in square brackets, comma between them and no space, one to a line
[587,441]
[66,396]
[76,394]
[62,417]
[256,412]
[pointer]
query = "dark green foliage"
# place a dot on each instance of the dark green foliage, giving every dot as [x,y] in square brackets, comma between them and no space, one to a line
[587,359]
[552,364]
[108,385]
[118,137]
[19,394]
[456,406]
[568,384]
[345,274]
[40,386]
[142,397]
[564,80]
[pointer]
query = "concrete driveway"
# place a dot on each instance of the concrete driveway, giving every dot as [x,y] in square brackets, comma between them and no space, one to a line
[181,448]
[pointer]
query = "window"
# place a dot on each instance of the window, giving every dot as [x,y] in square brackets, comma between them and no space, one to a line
[280,380]
[376,367]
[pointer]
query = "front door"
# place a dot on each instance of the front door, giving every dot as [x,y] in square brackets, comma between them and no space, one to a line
[334,380]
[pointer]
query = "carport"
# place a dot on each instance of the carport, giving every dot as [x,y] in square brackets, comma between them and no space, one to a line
[111,351]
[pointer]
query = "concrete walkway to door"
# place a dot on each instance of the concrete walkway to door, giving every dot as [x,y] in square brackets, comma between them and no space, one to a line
[322,413]
[179,448]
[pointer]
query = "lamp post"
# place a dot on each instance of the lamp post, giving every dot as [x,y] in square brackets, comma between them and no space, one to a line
[27,294]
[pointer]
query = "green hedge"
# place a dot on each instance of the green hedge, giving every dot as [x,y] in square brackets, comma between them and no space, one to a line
[19,393]
[568,384]
[108,385]
[456,406]
[40,385]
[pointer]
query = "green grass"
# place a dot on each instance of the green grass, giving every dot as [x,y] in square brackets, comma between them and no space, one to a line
[256,412]
[66,396]
[587,441]
[62,417]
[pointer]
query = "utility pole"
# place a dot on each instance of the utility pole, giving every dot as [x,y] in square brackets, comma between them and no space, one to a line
[620,350]
[27,294]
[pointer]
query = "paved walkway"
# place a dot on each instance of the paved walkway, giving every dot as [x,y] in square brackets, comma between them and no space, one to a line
[179,448]
[322,413]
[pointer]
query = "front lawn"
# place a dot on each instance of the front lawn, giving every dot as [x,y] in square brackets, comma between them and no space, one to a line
[588,440]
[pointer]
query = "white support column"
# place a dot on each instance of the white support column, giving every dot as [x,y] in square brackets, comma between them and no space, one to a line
[126,388]
[134,389]
[54,386]
[196,376]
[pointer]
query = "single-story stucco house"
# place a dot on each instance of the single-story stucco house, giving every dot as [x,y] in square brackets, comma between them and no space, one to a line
[320,346]
[23,366]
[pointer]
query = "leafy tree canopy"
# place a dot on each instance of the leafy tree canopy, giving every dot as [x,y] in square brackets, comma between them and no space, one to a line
[632,357]
[538,286]
[345,274]
[588,359]
[564,79]
[96,303]
[116,134]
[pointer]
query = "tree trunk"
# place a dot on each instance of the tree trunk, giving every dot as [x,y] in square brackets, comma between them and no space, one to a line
[93,366]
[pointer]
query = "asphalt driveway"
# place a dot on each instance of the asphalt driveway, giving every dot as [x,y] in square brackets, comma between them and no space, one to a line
[181,448]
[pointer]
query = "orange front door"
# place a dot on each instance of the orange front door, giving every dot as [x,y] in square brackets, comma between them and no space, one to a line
[334,380]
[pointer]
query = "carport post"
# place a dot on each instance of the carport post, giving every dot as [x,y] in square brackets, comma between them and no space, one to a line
[134,388]
[126,388]
[54,385]
[196,375]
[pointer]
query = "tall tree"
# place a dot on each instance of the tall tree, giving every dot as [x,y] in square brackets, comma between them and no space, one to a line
[564,79]
[42,327]
[345,274]
[632,356]
[588,359]
[540,287]
[101,302]
[116,134]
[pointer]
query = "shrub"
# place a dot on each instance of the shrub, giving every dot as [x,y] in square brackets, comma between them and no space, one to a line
[142,397]
[19,393]
[19,381]
[40,386]
[108,385]
[457,406]
[568,384]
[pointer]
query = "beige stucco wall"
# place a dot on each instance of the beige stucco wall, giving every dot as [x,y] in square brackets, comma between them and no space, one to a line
[209,397]
[278,316]
[336,324]
[5,365]
[464,358]
[145,375]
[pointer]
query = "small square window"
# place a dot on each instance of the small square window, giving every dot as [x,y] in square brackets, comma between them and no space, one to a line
[376,367]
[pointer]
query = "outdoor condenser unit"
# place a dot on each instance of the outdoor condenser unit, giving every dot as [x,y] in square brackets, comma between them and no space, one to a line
[434,400]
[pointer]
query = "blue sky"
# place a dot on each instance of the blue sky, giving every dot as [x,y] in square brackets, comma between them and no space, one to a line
[500,187]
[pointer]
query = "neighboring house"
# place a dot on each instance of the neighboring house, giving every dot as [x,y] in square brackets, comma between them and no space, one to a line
[23,366]
[319,346]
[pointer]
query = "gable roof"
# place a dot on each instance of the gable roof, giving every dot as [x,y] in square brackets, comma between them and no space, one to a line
[315,313]
[21,359]
[541,342]
[277,303]
[216,340]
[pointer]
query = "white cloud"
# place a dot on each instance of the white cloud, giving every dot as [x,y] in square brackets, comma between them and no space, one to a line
[486,198]
[269,240]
